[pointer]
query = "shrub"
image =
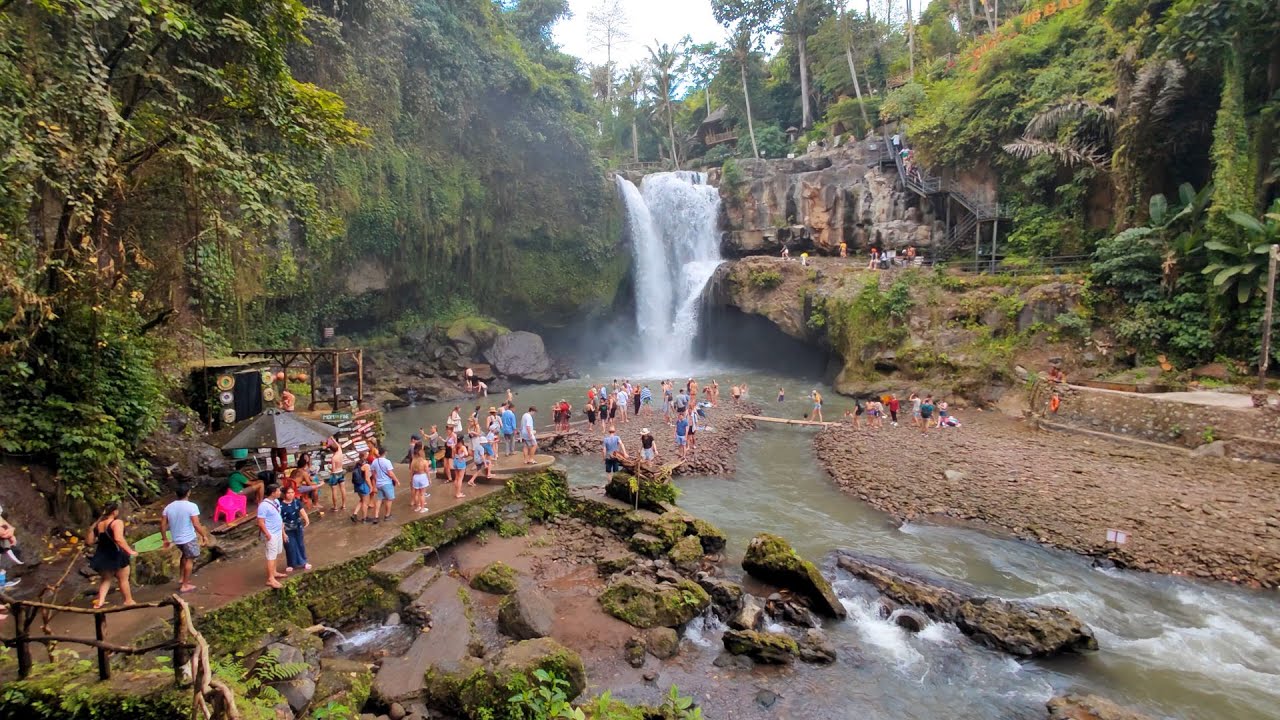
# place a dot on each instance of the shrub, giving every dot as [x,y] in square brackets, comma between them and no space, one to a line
[765,279]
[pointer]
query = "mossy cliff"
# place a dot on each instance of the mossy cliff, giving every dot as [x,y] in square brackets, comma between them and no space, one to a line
[345,591]
[930,330]
[70,690]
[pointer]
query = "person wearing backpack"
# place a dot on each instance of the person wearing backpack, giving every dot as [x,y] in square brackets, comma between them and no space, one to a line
[364,493]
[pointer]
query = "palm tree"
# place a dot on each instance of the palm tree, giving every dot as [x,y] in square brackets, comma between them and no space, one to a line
[664,64]
[1112,138]
[742,54]
[848,24]
[633,87]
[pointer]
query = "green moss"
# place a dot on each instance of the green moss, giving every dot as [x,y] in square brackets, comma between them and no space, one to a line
[498,578]
[687,553]
[648,494]
[344,591]
[765,647]
[70,690]
[645,604]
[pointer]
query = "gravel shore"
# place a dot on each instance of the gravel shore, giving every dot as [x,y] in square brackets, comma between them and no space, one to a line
[1204,517]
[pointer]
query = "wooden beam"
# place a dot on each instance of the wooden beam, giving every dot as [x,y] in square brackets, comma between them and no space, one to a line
[786,421]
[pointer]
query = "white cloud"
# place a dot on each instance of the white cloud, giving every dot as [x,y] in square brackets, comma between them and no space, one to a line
[665,21]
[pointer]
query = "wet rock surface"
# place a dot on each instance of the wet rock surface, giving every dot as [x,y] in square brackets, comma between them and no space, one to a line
[1205,517]
[771,559]
[1088,707]
[1019,628]
[526,614]
[645,604]
[770,648]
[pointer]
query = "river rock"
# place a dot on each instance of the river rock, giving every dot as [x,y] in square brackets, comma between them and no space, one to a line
[297,692]
[488,687]
[1019,628]
[1088,707]
[521,356]
[725,594]
[646,604]
[611,564]
[770,558]
[634,651]
[763,647]
[909,619]
[497,578]
[750,615]
[646,544]
[526,614]
[1217,448]
[797,614]
[815,648]
[686,554]
[662,642]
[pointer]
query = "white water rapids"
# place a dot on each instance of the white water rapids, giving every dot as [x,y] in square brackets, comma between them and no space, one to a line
[672,224]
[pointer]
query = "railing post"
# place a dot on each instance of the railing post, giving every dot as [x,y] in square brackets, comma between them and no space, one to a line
[179,644]
[104,661]
[20,643]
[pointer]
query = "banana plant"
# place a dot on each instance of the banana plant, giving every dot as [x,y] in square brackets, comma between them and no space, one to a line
[1242,266]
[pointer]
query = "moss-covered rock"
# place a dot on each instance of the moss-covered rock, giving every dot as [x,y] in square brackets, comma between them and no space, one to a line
[645,604]
[771,559]
[607,566]
[662,642]
[763,647]
[649,494]
[498,578]
[712,538]
[471,335]
[687,553]
[512,670]
[648,545]
[343,682]
[70,690]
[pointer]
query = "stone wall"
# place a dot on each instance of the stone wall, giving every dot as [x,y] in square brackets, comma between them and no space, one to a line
[1248,432]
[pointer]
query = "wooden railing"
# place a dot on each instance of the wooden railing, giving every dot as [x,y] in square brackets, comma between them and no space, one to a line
[711,139]
[212,698]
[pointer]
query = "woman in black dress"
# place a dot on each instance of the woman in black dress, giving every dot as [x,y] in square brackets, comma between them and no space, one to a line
[111,554]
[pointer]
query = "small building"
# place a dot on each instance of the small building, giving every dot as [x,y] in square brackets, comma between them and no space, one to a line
[716,129]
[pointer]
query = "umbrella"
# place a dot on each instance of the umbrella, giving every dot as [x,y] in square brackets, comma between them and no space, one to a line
[276,429]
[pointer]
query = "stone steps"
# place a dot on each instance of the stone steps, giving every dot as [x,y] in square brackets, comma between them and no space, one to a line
[442,649]
[394,568]
[413,586]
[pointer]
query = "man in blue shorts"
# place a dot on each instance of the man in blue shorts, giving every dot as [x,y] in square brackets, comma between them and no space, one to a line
[385,481]
[682,432]
[612,448]
[509,428]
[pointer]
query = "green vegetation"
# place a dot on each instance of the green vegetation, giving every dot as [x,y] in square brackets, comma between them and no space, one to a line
[497,578]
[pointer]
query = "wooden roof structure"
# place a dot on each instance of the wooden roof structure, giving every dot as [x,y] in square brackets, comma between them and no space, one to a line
[314,358]
[715,129]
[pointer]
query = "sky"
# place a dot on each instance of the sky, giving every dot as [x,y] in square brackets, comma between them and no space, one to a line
[665,21]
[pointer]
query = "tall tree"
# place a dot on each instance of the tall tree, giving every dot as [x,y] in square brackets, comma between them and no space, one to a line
[608,28]
[702,60]
[665,66]
[742,47]
[849,26]
[633,88]
[761,17]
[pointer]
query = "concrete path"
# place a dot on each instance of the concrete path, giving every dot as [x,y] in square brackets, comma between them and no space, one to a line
[1239,401]
[330,539]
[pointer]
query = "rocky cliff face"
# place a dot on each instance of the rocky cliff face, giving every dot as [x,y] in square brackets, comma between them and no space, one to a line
[817,201]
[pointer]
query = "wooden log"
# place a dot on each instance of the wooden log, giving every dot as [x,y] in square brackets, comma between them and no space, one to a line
[104,662]
[787,421]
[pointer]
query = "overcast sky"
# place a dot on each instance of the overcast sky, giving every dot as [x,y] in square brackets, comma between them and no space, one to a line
[665,21]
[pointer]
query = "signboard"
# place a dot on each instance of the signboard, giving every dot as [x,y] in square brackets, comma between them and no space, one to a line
[335,417]
[1118,537]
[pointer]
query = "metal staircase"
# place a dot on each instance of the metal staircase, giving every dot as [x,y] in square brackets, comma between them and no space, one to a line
[960,234]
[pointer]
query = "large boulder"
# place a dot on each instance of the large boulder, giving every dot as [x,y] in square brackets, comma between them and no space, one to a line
[1088,707]
[645,604]
[526,614]
[342,682]
[763,647]
[497,578]
[686,553]
[473,335]
[1019,628]
[521,356]
[771,559]
[726,594]
[491,686]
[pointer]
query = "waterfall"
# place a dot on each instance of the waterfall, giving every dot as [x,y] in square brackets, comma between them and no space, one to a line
[671,220]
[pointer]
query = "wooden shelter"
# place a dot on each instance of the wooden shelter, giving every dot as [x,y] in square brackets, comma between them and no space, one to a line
[317,359]
[716,129]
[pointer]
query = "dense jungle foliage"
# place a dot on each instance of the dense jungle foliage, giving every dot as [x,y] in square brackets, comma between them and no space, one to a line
[177,176]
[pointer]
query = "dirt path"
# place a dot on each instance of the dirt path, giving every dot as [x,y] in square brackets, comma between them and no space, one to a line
[1205,517]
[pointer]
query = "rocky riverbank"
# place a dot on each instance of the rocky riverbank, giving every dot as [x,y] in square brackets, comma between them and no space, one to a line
[717,442]
[1204,517]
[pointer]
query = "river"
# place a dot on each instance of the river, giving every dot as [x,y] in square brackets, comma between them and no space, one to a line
[1169,646]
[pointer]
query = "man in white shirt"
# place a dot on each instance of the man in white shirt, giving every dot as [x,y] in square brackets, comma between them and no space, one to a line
[180,525]
[385,480]
[528,435]
[271,525]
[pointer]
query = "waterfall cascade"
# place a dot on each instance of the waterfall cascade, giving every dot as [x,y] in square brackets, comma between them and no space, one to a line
[672,221]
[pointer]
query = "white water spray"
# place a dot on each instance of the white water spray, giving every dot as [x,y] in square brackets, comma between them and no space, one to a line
[672,221]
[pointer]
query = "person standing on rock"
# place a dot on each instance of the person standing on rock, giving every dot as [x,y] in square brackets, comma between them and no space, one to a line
[529,435]
[682,435]
[624,403]
[459,467]
[782,395]
[646,401]
[364,493]
[817,404]
[894,406]
[469,380]
[648,450]
[637,400]
[591,414]
[480,458]
[509,428]
[180,526]
[926,413]
[294,518]
[613,447]
[455,420]
[915,401]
